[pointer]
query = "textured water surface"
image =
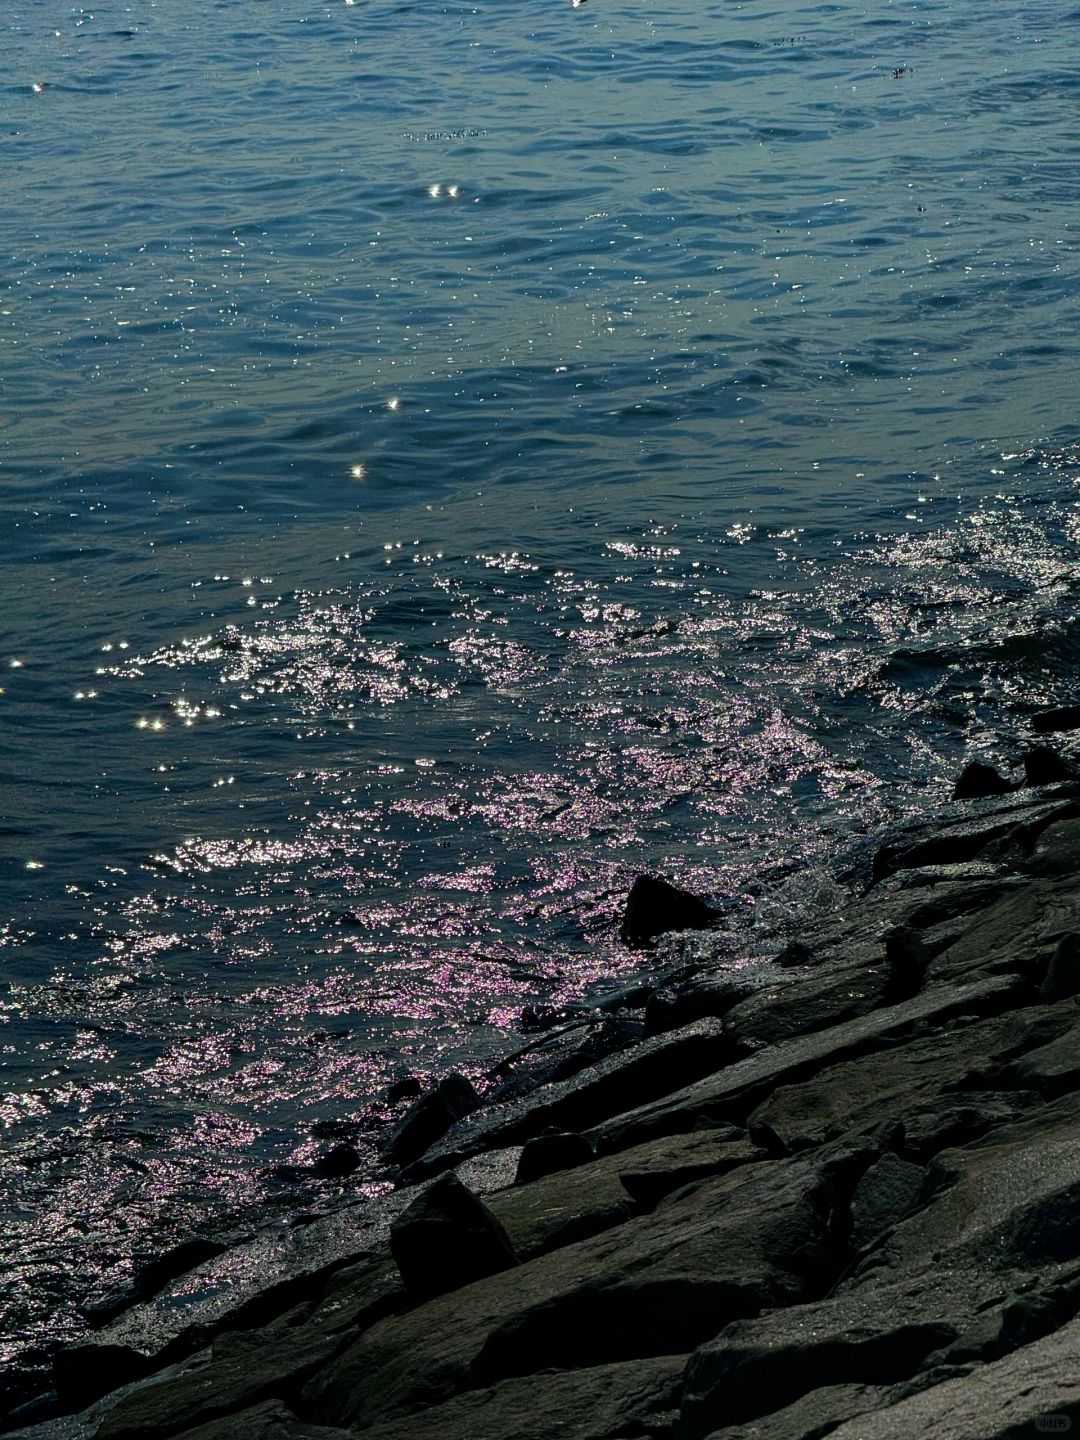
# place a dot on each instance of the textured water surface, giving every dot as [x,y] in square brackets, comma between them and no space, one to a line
[453,457]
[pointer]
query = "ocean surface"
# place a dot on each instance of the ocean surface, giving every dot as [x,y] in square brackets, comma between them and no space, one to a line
[454,457]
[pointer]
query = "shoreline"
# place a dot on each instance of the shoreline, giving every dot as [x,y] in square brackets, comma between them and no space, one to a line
[802,1209]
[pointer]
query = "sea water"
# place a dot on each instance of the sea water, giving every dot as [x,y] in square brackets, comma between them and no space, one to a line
[454,457]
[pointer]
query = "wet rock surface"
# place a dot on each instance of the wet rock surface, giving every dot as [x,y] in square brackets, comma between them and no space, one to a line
[846,1203]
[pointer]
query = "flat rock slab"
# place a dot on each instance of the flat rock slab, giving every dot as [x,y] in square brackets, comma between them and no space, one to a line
[905,1082]
[658,1284]
[767,1363]
[734,1092]
[1009,1202]
[1013,933]
[968,838]
[269,1421]
[246,1285]
[244,1368]
[812,1002]
[572,1205]
[813,1415]
[654,1067]
[594,1404]
[1034,1391]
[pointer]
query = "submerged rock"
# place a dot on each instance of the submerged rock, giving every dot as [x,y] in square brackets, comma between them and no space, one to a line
[337,1162]
[447,1238]
[655,907]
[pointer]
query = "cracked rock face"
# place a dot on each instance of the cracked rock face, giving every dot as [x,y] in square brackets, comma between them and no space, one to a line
[850,1207]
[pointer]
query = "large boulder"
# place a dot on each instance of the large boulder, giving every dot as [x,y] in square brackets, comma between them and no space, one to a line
[1044,766]
[429,1118]
[655,907]
[447,1238]
[550,1152]
[977,780]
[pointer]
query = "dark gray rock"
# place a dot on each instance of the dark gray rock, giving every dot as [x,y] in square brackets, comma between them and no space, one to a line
[244,1368]
[545,1154]
[1013,936]
[534,1019]
[761,1365]
[1033,1391]
[1005,1205]
[652,1172]
[669,1008]
[84,1371]
[759,1235]
[577,1404]
[564,1055]
[1061,717]
[1052,1069]
[447,1238]
[794,953]
[907,956]
[186,1255]
[889,1189]
[562,1208]
[945,1121]
[961,841]
[810,1416]
[246,1286]
[953,846]
[270,1421]
[1062,978]
[977,781]
[407,1088]
[429,1118]
[652,1068]
[1057,851]
[860,1095]
[817,1001]
[337,1162]
[739,1088]
[655,907]
[1043,766]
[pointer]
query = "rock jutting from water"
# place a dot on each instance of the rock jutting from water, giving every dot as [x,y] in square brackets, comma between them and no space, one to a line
[842,1204]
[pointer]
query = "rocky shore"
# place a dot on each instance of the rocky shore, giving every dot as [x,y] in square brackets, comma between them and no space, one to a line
[846,1203]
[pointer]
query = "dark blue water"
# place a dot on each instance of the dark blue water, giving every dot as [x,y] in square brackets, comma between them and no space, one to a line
[451,458]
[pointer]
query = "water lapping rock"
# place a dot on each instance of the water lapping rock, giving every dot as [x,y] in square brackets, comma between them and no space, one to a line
[848,1203]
